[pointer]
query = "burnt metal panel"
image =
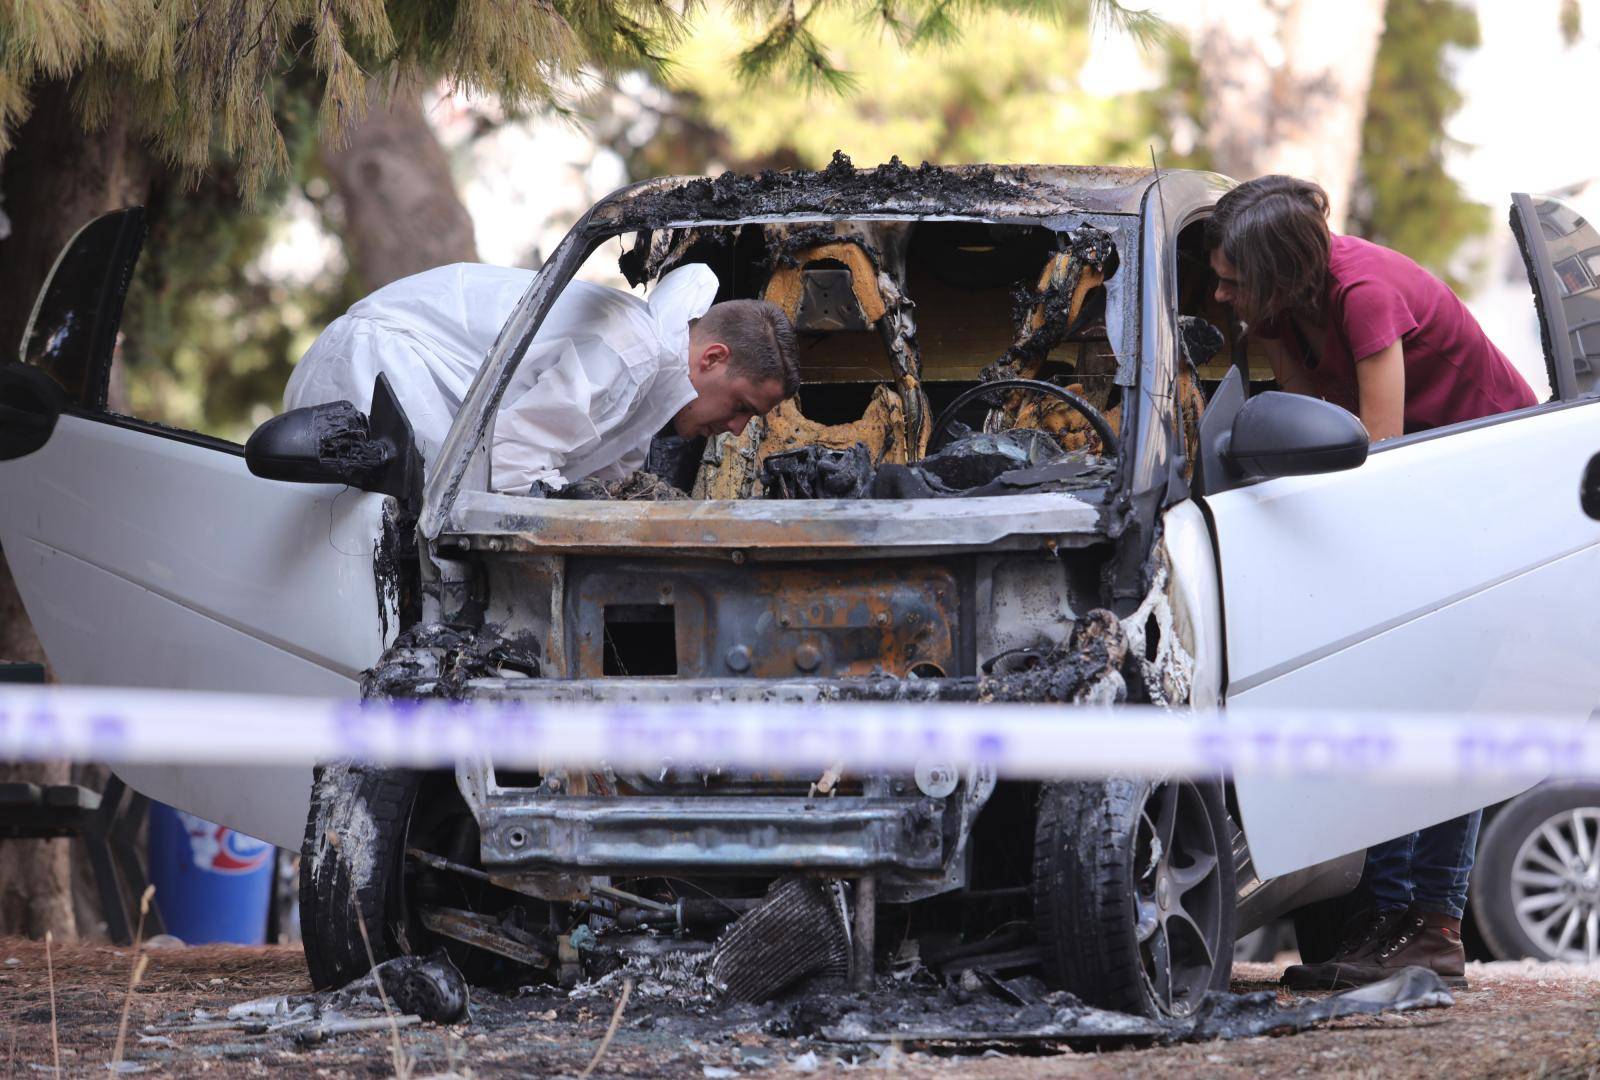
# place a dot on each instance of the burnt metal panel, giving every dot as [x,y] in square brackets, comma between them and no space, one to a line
[756,528]
[772,621]
[707,834]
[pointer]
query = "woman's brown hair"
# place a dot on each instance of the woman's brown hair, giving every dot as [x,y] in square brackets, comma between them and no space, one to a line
[1274,229]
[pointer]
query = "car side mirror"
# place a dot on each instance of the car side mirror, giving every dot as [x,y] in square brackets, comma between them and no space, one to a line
[1279,434]
[1589,489]
[335,443]
[30,404]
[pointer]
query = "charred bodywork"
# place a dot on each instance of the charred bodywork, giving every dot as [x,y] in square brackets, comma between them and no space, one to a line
[895,532]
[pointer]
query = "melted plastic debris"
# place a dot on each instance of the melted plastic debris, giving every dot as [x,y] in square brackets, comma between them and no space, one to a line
[1004,463]
[798,931]
[975,1011]
[344,444]
[840,188]
[1043,319]
[418,989]
[816,472]
[1201,340]
[635,487]
[1087,669]
[438,660]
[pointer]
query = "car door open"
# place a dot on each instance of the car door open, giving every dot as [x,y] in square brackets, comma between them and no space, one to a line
[1453,573]
[153,558]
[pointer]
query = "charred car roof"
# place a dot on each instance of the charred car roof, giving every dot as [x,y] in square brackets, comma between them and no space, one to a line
[1009,191]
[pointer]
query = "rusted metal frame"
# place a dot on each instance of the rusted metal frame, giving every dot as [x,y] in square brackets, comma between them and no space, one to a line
[710,834]
[484,932]
[1149,474]
[860,618]
[864,940]
[493,522]
[683,691]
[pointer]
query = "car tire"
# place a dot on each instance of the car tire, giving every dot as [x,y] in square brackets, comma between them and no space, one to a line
[1517,862]
[1098,894]
[349,860]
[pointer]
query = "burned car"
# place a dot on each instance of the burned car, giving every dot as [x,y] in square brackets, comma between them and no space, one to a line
[1032,460]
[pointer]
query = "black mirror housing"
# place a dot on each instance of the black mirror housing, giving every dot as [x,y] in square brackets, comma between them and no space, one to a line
[319,444]
[335,443]
[30,404]
[1280,434]
[1589,489]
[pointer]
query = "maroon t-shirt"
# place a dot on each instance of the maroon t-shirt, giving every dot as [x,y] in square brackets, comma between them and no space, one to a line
[1376,297]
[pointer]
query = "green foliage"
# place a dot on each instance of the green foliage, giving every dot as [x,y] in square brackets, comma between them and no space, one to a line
[198,75]
[1404,198]
[209,338]
[1571,22]
[1005,89]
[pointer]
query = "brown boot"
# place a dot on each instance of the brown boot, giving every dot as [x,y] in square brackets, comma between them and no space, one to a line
[1422,939]
[1364,936]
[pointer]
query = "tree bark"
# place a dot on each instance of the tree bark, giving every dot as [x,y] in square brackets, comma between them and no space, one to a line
[55,179]
[1285,85]
[401,211]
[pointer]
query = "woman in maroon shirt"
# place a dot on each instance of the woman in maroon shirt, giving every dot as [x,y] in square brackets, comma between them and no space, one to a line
[1351,321]
[1368,329]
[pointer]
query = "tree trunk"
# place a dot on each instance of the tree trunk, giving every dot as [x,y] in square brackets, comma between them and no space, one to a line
[1285,85]
[55,179]
[401,211]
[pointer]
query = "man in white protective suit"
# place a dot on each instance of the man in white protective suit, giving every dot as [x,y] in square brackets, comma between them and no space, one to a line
[605,373]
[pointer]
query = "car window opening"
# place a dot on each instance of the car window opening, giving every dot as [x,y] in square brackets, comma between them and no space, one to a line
[640,640]
[896,320]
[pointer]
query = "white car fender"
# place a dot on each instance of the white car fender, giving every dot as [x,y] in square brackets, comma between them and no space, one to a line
[1195,595]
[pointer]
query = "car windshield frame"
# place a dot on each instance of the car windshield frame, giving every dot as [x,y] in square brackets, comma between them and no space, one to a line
[463,460]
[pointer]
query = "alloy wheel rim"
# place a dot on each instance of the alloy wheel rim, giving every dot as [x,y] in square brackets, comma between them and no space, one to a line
[1178,886]
[1555,885]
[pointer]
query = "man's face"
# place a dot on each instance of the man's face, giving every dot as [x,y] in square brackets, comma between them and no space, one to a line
[1227,281]
[726,400]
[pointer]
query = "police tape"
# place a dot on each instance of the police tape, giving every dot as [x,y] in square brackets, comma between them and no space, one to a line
[129,726]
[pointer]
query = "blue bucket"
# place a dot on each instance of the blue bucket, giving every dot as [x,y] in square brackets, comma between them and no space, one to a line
[212,883]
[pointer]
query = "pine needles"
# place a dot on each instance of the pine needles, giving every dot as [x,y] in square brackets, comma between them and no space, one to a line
[199,77]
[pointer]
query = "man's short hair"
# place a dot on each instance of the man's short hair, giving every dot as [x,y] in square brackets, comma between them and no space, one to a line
[760,340]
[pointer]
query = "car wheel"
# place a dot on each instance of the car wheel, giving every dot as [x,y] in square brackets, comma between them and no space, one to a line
[1133,897]
[1536,886]
[355,874]
[354,841]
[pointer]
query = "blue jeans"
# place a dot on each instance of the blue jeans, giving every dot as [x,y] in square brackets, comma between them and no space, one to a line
[1427,870]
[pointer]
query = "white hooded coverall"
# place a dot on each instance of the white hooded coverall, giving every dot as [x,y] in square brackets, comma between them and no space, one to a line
[606,371]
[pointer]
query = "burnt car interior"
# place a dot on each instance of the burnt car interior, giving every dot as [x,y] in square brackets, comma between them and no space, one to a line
[903,326]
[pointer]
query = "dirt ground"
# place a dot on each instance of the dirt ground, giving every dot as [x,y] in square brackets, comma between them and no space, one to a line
[1514,1020]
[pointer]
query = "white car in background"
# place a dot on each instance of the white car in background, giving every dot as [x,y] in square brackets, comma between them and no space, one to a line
[1256,555]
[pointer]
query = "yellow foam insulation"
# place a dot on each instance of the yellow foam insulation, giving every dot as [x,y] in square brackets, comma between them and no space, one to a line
[1056,271]
[731,467]
[881,429]
[787,282]
[1074,433]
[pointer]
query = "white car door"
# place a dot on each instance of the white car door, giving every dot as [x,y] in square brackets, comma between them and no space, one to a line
[153,558]
[1453,572]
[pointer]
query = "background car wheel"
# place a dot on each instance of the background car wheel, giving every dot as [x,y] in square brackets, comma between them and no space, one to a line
[351,881]
[1133,899]
[1536,885]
